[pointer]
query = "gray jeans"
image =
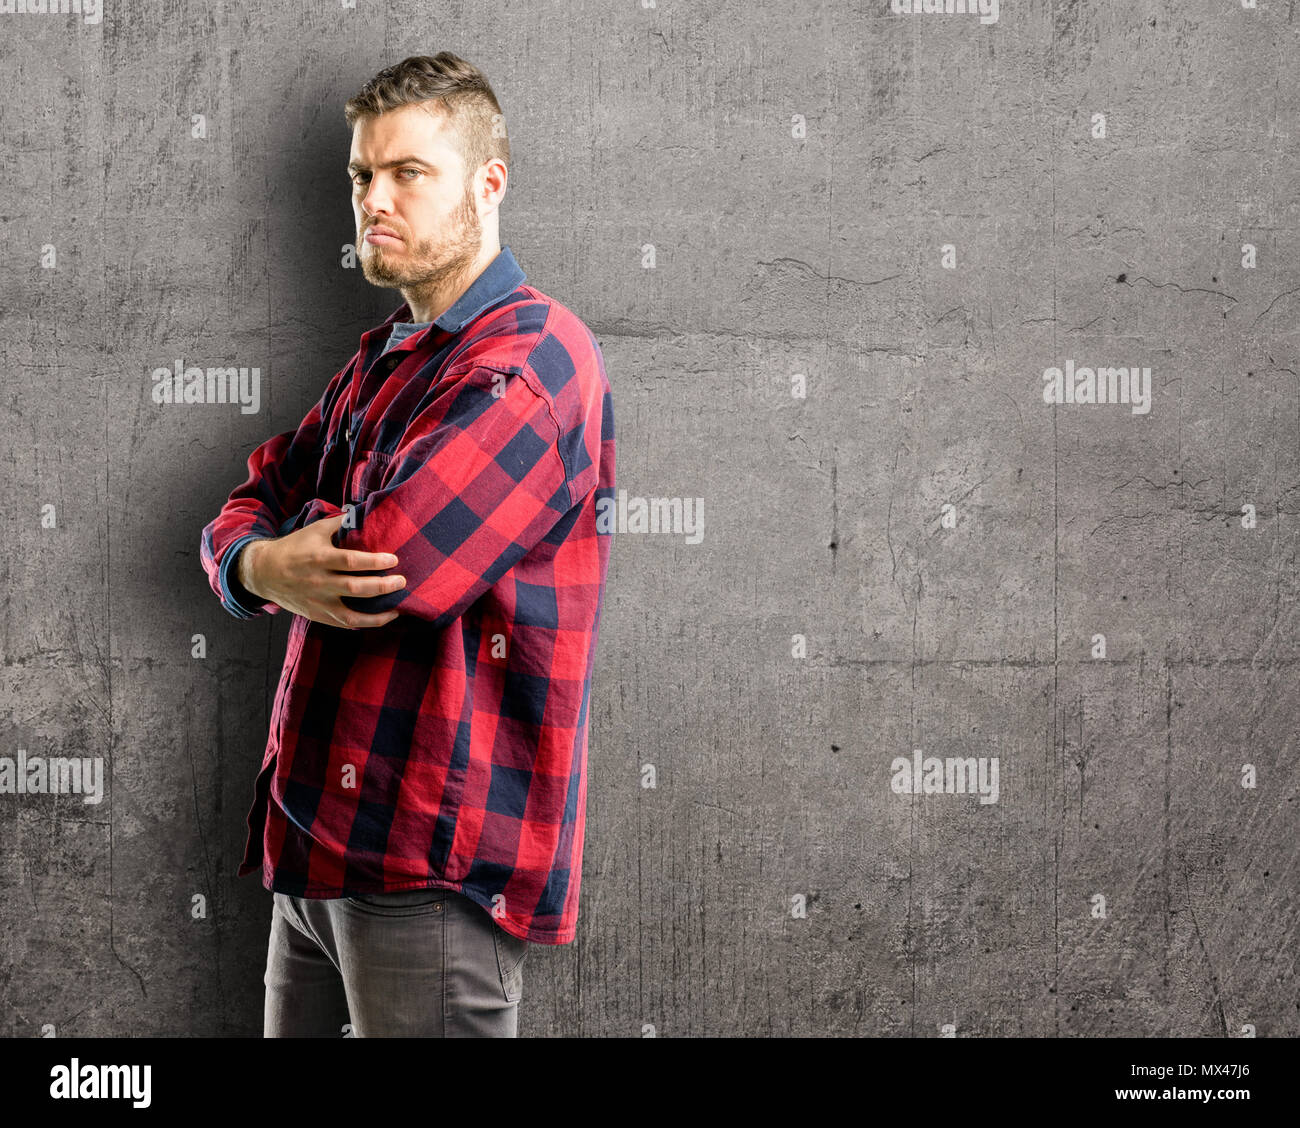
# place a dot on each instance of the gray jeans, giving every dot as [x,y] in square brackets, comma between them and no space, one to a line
[420,963]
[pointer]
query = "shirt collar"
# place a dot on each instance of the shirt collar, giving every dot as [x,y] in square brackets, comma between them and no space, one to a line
[499,278]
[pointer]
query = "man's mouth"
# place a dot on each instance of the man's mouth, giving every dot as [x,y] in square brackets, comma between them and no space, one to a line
[382,237]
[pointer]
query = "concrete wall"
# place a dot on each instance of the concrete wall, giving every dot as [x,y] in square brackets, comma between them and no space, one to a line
[744,202]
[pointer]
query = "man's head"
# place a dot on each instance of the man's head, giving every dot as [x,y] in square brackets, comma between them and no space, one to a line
[428,166]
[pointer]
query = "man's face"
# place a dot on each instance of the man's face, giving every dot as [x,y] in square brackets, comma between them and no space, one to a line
[417,225]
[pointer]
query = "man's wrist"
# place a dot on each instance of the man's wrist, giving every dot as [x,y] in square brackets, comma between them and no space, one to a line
[245,567]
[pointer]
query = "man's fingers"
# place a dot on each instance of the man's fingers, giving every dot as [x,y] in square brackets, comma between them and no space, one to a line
[371,585]
[350,559]
[355,620]
[337,615]
[325,524]
[354,560]
[321,574]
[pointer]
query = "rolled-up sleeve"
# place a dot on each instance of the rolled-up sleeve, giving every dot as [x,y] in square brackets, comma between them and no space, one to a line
[281,479]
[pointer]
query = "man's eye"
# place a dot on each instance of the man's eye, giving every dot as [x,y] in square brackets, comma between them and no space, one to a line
[413,171]
[360,177]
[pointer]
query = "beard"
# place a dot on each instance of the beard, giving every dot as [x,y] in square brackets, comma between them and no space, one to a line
[431,264]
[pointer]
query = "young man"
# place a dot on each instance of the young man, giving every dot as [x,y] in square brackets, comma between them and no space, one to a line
[438,526]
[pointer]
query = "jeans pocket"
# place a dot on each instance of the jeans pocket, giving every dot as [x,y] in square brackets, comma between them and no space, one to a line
[406,902]
[511,951]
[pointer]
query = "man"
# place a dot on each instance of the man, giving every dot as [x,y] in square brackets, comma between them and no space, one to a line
[433,526]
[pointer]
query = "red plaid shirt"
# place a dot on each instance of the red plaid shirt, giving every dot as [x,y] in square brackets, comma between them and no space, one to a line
[447,748]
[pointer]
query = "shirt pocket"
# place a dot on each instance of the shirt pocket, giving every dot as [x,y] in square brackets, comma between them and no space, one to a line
[369,468]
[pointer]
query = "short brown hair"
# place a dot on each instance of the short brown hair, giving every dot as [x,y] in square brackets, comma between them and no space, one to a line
[460,87]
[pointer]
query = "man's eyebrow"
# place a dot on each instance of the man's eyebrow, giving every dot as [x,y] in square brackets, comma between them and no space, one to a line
[361,166]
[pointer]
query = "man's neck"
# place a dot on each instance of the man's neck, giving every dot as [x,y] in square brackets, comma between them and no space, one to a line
[433,303]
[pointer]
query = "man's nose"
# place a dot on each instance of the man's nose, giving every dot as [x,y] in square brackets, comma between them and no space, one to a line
[378,198]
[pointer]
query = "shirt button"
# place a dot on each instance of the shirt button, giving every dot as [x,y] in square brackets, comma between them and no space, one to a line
[347,434]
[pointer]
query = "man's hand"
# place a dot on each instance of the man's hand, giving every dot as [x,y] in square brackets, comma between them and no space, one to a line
[304,573]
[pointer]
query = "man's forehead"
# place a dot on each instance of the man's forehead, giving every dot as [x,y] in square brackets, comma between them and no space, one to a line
[417,130]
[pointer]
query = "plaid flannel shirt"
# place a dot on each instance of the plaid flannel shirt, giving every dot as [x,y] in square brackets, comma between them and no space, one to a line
[447,748]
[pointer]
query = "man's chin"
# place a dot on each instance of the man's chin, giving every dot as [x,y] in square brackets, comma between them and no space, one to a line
[376,255]
[377,275]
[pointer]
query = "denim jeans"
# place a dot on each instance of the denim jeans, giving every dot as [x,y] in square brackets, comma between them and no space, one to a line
[419,963]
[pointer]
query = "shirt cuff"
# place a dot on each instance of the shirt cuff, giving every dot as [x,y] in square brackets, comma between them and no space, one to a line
[238,600]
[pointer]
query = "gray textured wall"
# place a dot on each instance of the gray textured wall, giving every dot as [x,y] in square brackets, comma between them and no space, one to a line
[731,196]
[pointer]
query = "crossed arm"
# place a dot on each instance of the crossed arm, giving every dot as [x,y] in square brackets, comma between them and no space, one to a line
[476,481]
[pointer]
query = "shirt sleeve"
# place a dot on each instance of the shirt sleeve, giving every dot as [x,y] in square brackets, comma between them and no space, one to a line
[476,482]
[281,479]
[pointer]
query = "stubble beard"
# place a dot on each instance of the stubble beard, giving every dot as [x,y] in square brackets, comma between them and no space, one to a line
[433,263]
